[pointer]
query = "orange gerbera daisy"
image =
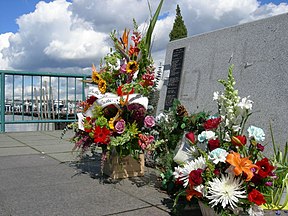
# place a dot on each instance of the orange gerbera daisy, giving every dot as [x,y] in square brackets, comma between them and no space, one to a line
[241,165]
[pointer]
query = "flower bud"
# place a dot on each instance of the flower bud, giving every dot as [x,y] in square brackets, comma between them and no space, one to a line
[191,137]
[239,140]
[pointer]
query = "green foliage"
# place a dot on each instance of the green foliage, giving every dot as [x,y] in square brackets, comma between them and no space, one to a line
[280,160]
[101,121]
[126,143]
[179,29]
[97,111]
[151,27]
[230,93]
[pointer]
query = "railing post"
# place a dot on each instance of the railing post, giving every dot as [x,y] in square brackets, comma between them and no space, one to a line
[2,100]
[83,89]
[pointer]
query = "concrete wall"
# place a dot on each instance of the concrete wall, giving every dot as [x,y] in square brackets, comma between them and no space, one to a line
[259,51]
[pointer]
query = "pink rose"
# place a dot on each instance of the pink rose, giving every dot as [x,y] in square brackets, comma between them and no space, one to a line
[145,140]
[120,126]
[149,121]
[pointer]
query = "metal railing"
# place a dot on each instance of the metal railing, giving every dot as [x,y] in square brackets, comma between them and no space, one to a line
[44,97]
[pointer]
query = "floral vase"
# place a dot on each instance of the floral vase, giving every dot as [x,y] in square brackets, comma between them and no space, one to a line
[124,167]
[208,211]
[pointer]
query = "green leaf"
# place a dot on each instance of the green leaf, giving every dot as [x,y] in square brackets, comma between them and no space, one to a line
[183,125]
[151,27]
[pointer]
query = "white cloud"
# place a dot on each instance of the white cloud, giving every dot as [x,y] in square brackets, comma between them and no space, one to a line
[266,10]
[208,15]
[65,36]
[50,37]
[4,43]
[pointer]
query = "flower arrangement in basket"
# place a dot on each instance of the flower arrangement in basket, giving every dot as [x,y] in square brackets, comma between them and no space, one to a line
[224,167]
[115,115]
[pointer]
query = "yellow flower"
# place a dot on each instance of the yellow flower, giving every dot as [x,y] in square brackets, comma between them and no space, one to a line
[111,123]
[132,67]
[102,86]
[96,77]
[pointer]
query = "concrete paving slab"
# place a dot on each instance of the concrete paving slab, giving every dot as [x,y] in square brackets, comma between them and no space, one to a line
[151,211]
[38,184]
[52,141]
[145,192]
[10,143]
[4,137]
[33,137]
[24,134]
[17,151]
[39,176]
[64,157]
[20,161]
[54,149]
[69,199]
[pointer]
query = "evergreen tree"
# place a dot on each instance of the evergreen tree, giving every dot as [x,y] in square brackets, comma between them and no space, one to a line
[179,29]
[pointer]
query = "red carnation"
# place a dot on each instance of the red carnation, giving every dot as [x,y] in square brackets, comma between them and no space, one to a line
[195,177]
[265,168]
[213,144]
[212,123]
[256,197]
[239,140]
[191,137]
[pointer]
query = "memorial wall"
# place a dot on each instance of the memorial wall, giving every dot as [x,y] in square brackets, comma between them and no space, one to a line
[259,51]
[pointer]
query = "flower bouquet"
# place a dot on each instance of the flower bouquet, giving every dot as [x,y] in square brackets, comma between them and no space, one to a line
[225,168]
[115,115]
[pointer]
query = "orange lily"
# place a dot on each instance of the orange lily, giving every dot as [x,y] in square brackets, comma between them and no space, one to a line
[192,192]
[241,165]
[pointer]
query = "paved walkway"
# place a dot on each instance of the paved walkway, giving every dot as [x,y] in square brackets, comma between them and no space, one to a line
[37,177]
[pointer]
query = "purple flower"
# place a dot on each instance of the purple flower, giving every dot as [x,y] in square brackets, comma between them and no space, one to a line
[149,121]
[137,113]
[268,183]
[123,68]
[120,126]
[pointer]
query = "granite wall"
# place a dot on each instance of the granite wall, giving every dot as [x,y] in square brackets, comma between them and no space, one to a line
[259,51]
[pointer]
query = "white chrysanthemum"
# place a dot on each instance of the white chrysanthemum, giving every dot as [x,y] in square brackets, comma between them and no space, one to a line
[225,191]
[198,163]
[177,171]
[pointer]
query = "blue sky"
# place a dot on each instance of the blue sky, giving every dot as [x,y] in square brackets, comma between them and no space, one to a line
[10,10]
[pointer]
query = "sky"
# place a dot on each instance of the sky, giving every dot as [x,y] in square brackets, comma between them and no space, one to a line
[70,36]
